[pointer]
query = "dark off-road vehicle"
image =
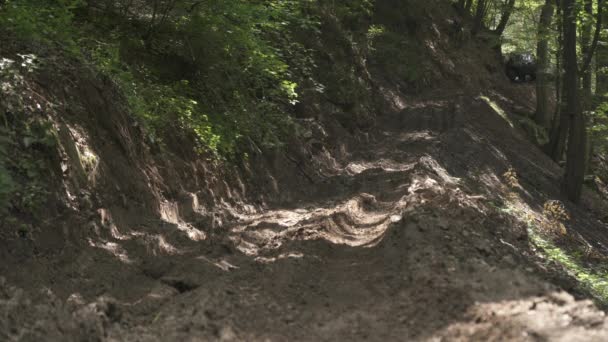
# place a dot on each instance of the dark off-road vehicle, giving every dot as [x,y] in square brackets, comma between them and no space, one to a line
[521,67]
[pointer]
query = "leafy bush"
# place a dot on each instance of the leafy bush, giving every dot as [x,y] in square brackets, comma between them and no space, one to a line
[598,128]
[219,73]
[7,185]
[41,20]
[25,138]
[163,109]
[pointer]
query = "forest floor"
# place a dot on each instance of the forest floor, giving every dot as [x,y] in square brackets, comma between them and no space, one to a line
[414,236]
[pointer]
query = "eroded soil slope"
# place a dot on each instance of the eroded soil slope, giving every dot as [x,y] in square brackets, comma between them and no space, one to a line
[388,218]
[400,239]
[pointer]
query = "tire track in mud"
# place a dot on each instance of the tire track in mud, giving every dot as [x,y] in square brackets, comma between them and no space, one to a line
[398,243]
[390,247]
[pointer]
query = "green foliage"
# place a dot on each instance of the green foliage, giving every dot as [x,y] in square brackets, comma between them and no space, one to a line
[25,139]
[582,262]
[355,15]
[164,109]
[7,184]
[41,20]
[523,25]
[592,277]
[23,167]
[534,130]
[223,72]
[598,128]
[238,83]
[245,76]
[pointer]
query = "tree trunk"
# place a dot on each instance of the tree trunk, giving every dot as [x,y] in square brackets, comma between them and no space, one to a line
[504,19]
[480,13]
[586,51]
[542,116]
[461,5]
[559,129]
[575,161]
[601,63]
[467,6]
[590,49]
[559,134]
[601,67]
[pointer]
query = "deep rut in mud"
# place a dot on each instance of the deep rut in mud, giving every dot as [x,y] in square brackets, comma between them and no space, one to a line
[398,243]
[389,247]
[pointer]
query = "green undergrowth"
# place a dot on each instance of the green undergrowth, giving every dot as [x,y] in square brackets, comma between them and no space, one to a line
[215,76]
[224,76]
[532,129]
[219,78]
[26,141]
[591,275]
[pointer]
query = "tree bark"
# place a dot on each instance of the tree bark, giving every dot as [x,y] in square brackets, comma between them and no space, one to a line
[575,155]
[588,57]
[461,4]
[542,116]
[601,63]
[467,6]
[559,134]
[585,49]
[480,13]
[504,19]
[601,70]
[589,46]
[559,128]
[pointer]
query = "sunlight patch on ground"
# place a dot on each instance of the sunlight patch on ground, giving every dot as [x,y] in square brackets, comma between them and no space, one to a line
[496,107]
[107,221]
[361,220]
[355,168]
[221,264]
[113,248]
[357,222]
[89,160]
[169,212]
[554,316]
[157,244]
[591,277]
[292,255]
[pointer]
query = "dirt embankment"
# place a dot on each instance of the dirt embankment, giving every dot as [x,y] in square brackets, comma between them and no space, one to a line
[397,227]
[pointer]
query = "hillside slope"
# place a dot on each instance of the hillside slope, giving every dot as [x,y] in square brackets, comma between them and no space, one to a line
[412,212]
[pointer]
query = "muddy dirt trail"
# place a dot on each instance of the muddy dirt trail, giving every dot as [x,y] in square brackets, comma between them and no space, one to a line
[398,242]
[391,246]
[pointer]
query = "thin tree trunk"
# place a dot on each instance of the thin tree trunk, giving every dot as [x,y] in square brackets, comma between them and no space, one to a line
[504,19]
[575,161]
[601,70]
[589,48]
[480,13]
[559,129]
[585,49]
[461,4]
[467,6]
[559,134]
[601,63]
[542,116]
[596,36]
